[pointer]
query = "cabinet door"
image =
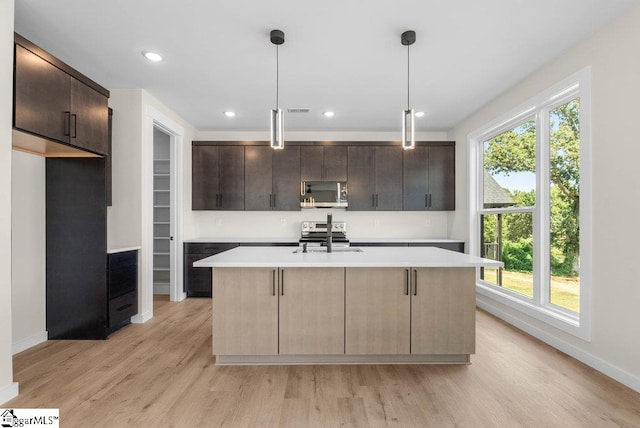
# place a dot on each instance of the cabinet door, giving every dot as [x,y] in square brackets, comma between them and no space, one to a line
[89,118]
[41,104]
[361,178]
[197,280]
[415,178]
[231,165]
[335,163]
[204,177]
[311,163]
[286,179]
[377,307]
[258,178]
[388,179]
[443,311]
[311,311]
[442,178]
[245,311]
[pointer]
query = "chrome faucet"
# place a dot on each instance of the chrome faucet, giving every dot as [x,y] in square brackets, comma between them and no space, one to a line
[329,233]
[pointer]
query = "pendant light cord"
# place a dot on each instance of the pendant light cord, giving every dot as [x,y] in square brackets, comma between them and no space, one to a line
[277,77]
[408,68]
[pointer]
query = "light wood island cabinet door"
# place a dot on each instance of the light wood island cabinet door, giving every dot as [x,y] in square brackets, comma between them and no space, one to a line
[443,317]
[377,311]
[245,311]
[311,311]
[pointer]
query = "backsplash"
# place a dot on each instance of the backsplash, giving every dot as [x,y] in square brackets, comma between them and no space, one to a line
[286,224]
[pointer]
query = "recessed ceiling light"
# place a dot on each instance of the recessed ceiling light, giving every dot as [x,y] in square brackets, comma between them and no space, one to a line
[328,114]
[419,113]
[152,56]
[230,113]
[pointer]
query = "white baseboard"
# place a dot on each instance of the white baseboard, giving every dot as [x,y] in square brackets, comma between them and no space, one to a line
[592,361]
[8,392]
[141,318]
[161,289]
[26,343]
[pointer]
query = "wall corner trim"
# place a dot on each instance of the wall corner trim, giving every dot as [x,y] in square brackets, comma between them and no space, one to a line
[7,392]
[591,360]
[141,318]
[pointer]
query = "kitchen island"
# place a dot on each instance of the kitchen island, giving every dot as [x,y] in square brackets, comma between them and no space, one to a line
[277,305]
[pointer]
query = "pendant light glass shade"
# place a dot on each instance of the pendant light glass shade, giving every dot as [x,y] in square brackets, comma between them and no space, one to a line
[277,129]
[277,121]
[408,129]
[408,117]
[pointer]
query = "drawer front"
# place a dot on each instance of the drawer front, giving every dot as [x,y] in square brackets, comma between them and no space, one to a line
[122,308]
[123,273]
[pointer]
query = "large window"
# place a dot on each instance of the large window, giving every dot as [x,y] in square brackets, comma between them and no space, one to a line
[528,174]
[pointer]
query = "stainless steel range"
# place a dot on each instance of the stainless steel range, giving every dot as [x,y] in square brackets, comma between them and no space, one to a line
[314,233]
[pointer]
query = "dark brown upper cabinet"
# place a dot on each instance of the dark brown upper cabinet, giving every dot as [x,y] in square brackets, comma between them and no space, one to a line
[429,178]
[53,101]
[323,163]
[217,177]
[272,178]
[375,178]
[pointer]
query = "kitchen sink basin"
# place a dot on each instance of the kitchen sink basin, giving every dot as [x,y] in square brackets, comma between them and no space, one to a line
[335,250]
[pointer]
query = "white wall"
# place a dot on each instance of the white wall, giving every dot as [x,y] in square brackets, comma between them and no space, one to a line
[123,217]
[8,388]
[286,224]
[613,55]
[28,251]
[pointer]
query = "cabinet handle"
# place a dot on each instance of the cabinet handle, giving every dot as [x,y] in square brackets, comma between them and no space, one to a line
[74,117]
[67,123]
[429,200]
[273,282]
[376,200]
[415,282]
[426,200]
[406,284]
[282,282]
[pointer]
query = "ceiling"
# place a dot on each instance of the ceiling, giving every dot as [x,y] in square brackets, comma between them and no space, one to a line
[339,55]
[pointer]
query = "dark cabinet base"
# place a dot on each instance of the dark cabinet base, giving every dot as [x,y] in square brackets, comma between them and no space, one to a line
[122,288]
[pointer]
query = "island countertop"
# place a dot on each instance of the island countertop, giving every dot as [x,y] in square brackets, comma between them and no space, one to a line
[368,257]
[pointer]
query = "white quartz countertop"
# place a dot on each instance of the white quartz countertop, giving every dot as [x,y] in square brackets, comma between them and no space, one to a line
[368,257]
[295,240]
[403,240]
[122,250]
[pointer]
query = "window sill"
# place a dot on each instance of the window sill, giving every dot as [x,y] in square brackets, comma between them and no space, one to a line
[571,324]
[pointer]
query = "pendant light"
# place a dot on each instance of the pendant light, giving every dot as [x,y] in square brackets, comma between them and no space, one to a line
[408,118]
[277,122]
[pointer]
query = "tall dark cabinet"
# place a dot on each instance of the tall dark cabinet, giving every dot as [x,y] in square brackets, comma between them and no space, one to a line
[76,248]
[272,178]
[64,116]
[375,178]
[429,178]
[217,177]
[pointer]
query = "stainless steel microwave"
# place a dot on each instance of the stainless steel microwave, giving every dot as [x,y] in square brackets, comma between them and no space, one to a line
[323,194]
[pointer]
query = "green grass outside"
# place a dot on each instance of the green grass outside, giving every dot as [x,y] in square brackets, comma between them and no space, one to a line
[565,291]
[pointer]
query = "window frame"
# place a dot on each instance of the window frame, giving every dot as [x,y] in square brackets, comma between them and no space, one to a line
[539,108]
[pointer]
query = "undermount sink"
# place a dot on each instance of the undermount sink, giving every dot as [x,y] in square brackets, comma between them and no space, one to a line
[334,250]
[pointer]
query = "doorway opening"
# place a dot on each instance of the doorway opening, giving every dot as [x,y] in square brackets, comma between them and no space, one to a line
[163,228]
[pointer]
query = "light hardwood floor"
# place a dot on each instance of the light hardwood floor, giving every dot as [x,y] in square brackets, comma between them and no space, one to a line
[162,374]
